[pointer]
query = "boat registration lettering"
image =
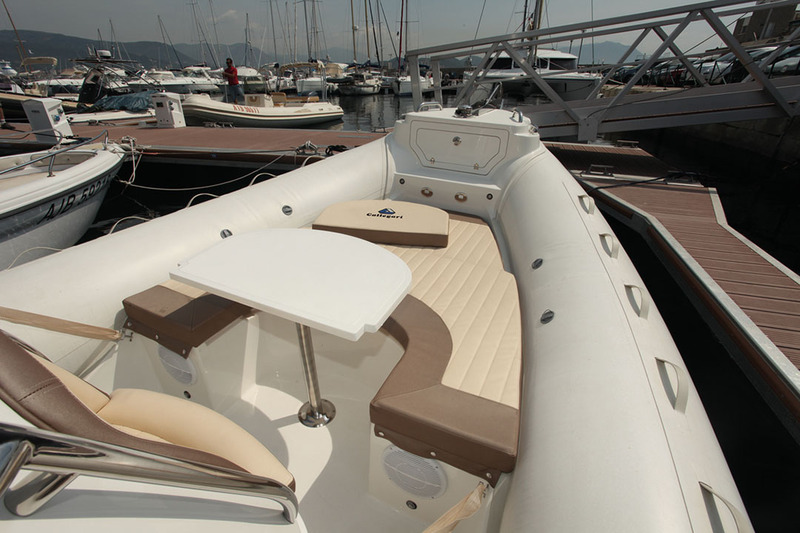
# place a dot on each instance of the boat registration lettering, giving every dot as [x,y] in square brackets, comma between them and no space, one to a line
[67,202]
[245,108]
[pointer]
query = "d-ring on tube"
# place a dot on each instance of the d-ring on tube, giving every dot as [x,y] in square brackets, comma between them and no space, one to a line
[316,412]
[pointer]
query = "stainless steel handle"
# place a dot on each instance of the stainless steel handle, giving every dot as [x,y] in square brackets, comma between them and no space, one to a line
[61,458]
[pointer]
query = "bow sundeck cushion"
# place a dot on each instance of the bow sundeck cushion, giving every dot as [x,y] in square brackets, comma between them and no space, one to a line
[387,222]
[455,393]
[52,398]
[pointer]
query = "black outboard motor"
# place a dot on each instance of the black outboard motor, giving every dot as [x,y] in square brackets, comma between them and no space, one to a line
[93,87]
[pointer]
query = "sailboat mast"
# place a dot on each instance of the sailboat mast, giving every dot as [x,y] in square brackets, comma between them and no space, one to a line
[246,36]
[294,38]
[308,31]
[386,21]
[274,37]
[314,29]
[114,43]
[199,38]
[165,36]
[525,16]
[20,48]
[353,18]
[101,40]
[408,35]
[216,36]
[537,15]
[366,27]
[377,38]
[400,54]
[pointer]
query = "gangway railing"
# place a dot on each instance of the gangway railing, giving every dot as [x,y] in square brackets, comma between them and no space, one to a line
[59,459]
[667,25]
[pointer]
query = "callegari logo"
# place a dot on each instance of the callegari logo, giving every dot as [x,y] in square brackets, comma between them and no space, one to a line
[385,213]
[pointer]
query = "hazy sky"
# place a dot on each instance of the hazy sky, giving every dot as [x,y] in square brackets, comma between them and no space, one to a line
[432,21]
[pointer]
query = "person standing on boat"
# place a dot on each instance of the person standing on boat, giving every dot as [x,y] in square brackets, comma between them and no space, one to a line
[234,90]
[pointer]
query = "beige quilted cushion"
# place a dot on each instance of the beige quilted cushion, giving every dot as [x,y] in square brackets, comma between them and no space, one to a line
[467,286]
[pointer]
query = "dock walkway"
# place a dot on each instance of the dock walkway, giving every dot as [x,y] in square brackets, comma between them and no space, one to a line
[752,299]
[201,143]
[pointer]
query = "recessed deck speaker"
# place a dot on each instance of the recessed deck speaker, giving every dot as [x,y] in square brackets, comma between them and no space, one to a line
[415,475]
[180,368]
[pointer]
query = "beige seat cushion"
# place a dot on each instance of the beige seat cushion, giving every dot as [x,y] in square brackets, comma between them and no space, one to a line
[387,222]
[52,398]
[466,285]
[188,424]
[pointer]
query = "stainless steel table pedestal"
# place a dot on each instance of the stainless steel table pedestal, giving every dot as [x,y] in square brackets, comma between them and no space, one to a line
[316,412]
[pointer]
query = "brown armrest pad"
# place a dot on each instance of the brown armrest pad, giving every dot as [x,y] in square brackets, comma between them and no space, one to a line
[178,320]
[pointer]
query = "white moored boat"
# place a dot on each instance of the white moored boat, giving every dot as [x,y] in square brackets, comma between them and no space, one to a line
[48,199]
[523,379]
[260,111]
[401,85]
[360,84]
[558,69]
[189,80]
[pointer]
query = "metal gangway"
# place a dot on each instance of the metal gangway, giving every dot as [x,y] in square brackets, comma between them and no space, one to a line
[757,96]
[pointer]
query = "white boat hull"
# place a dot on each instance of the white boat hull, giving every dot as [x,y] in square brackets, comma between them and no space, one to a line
[117,117]
[198,110]
[359,90]
[402,86]
[311,86]
[568,87]
[37,219]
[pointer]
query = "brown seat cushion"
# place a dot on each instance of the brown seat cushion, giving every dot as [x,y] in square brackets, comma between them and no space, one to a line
[415,411]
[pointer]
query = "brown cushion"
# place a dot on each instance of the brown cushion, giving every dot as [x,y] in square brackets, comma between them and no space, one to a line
[416,412]
[387,222]
[180,317]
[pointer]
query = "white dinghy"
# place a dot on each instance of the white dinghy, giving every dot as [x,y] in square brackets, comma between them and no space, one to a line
[484,356]
[260,111]
[48,199]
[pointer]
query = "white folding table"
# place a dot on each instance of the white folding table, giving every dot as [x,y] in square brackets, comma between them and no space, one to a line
[327,281]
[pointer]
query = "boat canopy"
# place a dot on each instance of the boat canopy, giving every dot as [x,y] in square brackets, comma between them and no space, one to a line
[51,61]
[127,102]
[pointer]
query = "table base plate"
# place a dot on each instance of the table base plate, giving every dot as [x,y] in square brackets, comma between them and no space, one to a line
[319,417]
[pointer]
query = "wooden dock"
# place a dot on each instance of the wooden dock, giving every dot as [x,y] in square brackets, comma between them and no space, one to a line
[230,139]
[752,301]
[207,144]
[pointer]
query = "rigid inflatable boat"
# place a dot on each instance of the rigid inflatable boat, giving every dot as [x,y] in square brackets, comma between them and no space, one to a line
[259,111]
[436,330]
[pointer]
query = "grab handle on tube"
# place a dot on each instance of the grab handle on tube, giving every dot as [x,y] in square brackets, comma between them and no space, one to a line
[638,300]
[678,392]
